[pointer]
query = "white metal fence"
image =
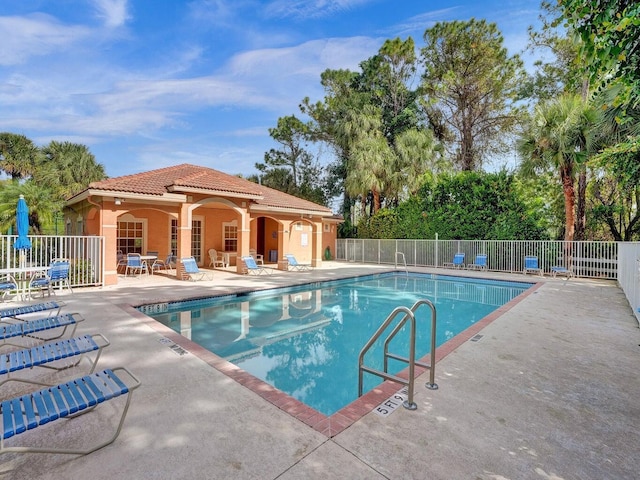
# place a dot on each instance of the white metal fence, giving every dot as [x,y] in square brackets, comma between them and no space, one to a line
[585,259]
[629,274]
[86,255]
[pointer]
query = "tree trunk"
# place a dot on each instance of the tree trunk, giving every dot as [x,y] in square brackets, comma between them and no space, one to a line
[566,175]
[581,210]
[376,200]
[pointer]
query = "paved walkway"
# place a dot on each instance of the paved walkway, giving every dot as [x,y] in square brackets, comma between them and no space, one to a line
[551,391]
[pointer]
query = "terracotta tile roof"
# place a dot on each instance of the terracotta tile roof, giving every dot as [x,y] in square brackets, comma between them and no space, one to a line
[163,180]
[278,199]
[158,182]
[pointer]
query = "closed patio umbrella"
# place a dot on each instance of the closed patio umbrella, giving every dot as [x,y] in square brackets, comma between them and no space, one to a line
[22,225]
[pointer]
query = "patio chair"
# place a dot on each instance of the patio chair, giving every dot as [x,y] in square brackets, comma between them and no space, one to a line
[121,266]
[562,271]
[136,265]
[531,265]
[58,274]
[48,355]
[258,257]
[293,263]
[8,285]
[166,265]
[192,272]
[252,268]
[480,263]
[458,261]
[81,396]
[216,259]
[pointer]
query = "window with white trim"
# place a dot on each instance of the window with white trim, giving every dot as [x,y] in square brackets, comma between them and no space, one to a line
[131,235]
[173,245]
[230,236]
[196,240]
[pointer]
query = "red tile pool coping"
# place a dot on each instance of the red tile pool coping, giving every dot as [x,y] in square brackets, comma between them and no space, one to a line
[333,424]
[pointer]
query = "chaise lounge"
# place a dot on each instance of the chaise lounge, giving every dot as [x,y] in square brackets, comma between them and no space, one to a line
[253,268]
[293,263]
[67,400]
[33,328]
[47,356]
[480,263]
[458,261]
[192,272]
[531,265]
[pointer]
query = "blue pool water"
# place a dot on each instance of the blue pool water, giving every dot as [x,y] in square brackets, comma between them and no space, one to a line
[305,341]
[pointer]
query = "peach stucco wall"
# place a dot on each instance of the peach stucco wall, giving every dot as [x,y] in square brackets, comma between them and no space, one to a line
[306,238]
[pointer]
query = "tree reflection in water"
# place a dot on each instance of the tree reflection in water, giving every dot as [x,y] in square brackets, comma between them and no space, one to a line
[306,342]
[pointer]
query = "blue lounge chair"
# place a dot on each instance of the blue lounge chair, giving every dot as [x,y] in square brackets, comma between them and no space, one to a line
[67,400]
[531,265]
[562,271]
[27,309]
[33,328]
[192,272]
[253,268]
[48,354]
[458,261]
[480,263]
[293,263]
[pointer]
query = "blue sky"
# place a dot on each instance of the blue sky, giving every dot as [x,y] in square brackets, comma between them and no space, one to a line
[151,83]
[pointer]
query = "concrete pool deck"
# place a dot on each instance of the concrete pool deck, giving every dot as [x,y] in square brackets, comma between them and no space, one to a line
[550,391]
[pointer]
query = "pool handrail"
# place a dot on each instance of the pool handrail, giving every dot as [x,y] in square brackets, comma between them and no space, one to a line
[409,314]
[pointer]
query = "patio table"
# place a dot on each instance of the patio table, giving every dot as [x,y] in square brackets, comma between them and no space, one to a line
[22,276]
[149,259]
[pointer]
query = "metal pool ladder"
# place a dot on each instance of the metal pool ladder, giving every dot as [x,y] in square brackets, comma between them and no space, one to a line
[404,261]
[409,315]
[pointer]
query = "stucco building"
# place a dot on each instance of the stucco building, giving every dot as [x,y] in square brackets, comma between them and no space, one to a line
[186,210]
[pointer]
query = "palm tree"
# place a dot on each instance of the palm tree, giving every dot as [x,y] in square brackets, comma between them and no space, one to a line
[369,169]
[369,154]
[68,166]
[43,205]
[415,152]
[560,136]
[18,155]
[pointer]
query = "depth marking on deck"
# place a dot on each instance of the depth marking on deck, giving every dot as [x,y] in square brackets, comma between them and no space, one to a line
[476,338]
[173,346]
[387,407]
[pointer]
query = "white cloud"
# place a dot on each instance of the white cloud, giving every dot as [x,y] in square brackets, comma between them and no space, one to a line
[272,79]
[112,12]
[216,12]
[35,35]
[230,159]
[310,8]
[295,71]
[419,23]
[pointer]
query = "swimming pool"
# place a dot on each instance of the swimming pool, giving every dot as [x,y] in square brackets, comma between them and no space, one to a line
[305,340]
